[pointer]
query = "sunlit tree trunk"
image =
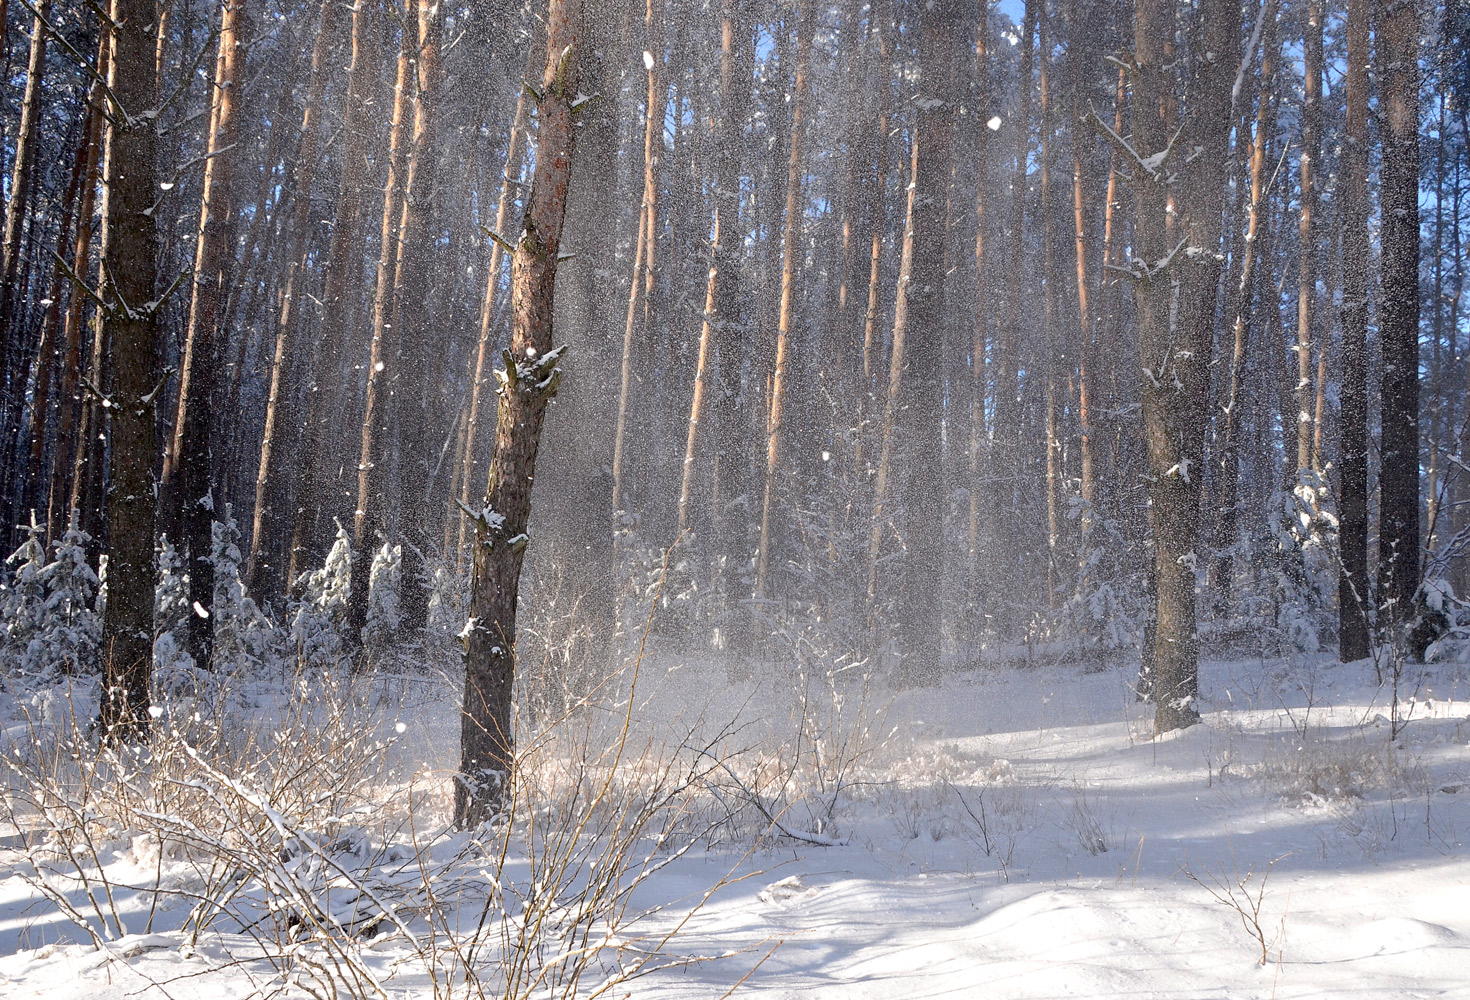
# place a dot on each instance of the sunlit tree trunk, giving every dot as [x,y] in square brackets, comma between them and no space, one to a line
[1052,344]
[720,308]
[1306,240]
[13,375]
[487,742]
[919,611]
[340,281]
[22,169]
[638,288]
[422,403]
[791,236]
[186,484]
[268,474]
[47,356]
[980,345]
[1256,244]
[70,440]
[877,227]
[492,287]
[383,357]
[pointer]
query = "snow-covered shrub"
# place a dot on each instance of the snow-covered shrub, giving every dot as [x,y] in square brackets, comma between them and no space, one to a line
[316,628]
[51,625]
[171,596]
[23,596]
[385,583]
[1106,608]
[243,636]
[73,630]
[1305,578]
[1312,768]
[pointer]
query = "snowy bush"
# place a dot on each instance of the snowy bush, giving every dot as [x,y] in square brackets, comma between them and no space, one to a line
[384,586]
[50,623]
[316,627]
[1312,768]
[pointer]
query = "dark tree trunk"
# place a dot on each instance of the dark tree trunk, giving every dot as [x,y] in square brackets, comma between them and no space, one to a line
[1178,204]
[1353,592]
[1398,314]
[130,262]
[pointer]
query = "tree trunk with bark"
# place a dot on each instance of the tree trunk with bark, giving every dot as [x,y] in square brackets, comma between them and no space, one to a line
[268,474]
[129,320]
[1398,316]
[1179,157]
[1353,585]
[791,235]
[187,481]
[529,379]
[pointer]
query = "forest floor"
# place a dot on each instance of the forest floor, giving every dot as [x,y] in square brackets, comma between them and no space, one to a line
[1015,833]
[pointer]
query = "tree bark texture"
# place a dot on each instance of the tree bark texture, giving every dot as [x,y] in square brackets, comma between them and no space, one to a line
[526,385]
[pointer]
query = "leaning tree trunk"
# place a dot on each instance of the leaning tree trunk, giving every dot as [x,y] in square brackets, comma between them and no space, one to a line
[130,262]
[530,377]
[1352,579]
[1398,536]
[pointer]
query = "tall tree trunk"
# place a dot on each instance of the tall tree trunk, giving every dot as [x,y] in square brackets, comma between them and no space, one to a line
[1306,241]
[894,399]
[1008,392]
[730,477]
[422,400]
[1257,246]
[340,280]
[13,373]
[790,238]
[1398,313]
[186,486]
[1085,321]
[51,327]
[282,380]
[130,262]
[530,378]
[720,308]
[980,347]
[1055,354]
[70,442]
[642,281]
[919,632]
[878,227]
[1178,204]
[383,367]
[492,286]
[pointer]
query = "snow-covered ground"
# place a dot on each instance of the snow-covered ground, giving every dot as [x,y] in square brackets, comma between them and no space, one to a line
[1007,834]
